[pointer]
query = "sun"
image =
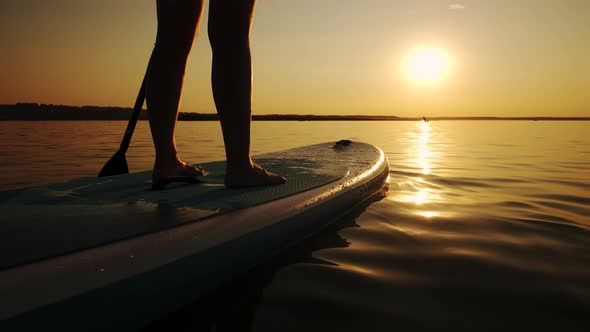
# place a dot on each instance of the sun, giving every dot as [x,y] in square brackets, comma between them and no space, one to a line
[425,65]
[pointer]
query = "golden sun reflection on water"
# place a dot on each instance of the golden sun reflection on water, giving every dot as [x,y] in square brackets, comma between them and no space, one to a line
[424,153]
[417,190]
[428,214]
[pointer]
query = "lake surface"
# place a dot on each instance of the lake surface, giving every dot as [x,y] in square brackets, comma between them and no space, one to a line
[486,224]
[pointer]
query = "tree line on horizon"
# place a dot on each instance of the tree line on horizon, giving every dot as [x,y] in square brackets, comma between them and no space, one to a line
[35,111]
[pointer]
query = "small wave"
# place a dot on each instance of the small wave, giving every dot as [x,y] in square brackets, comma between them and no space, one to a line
[565,208]
[568,198]
[582,185]
[516,204]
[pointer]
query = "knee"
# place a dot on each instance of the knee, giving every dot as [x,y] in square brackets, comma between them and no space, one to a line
[177,26]
[229,38]
[176,46]
[229,24]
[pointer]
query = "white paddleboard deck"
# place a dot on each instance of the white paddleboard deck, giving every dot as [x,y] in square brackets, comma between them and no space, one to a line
[107,253]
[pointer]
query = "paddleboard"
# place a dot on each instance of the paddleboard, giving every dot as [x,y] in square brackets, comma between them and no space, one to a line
[98,254]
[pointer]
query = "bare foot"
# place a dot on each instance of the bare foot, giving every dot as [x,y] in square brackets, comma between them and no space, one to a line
[174,171]
[252,177]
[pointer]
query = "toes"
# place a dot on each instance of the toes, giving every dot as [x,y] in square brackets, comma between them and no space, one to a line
[180,169]
[193,170]
[198,171]
[273,178]
[256,176]
[277,179]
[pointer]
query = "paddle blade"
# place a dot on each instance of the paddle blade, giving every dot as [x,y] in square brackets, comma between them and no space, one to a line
[115,166]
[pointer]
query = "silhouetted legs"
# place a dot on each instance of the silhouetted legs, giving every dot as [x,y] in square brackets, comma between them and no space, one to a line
[231,79]
[177,25]
[229,29]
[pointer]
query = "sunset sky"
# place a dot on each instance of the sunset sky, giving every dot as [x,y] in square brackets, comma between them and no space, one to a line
[382,57]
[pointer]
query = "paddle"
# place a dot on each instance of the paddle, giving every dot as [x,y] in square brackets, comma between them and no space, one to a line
[118,162]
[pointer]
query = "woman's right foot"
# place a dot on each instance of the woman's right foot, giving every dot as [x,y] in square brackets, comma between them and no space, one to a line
[176,171]
[253,176]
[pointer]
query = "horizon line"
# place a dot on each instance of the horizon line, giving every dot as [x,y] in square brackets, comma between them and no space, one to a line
[31,106]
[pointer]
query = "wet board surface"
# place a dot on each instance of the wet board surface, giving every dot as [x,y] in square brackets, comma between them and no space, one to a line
[56,219]
[82,246]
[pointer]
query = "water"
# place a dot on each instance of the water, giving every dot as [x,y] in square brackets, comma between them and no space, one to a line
[486,225]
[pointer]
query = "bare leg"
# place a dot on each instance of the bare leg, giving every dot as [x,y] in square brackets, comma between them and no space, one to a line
[177,26]
[231,77]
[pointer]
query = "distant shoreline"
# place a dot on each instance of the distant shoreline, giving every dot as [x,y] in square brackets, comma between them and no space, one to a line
[48,112]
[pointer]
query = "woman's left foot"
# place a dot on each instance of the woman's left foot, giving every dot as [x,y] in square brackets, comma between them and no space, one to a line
[252,176]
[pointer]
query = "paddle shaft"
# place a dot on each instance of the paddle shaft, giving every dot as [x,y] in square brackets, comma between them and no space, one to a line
[134,116]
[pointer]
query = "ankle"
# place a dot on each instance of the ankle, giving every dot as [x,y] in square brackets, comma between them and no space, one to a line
[167,160]
[237,167]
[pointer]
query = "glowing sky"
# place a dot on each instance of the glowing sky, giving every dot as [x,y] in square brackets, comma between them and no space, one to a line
[509,57]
